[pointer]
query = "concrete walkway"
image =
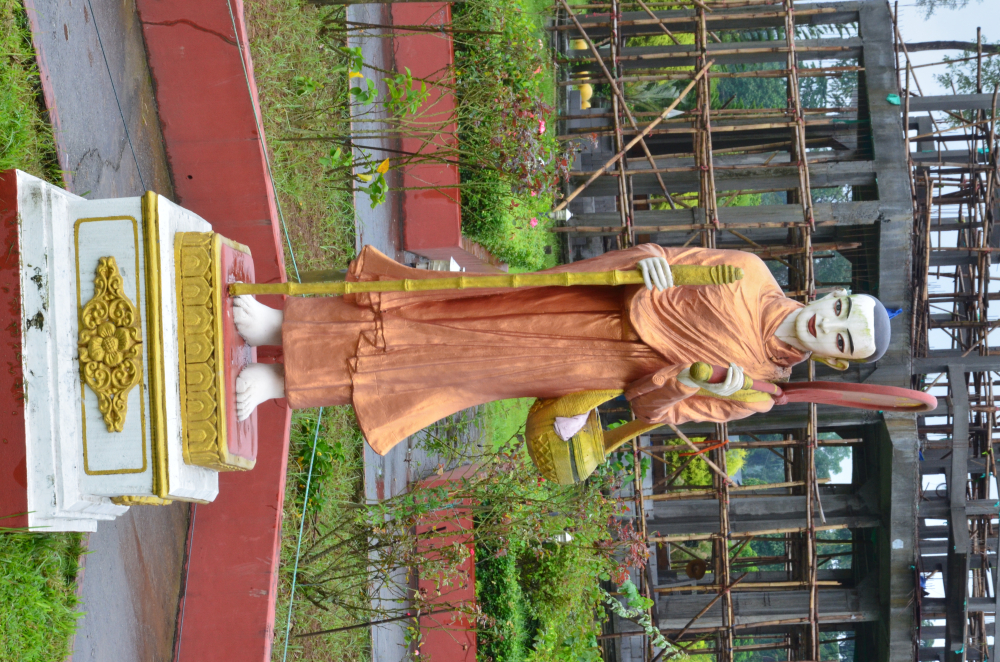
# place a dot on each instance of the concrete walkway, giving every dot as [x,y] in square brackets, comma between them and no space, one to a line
[108,141]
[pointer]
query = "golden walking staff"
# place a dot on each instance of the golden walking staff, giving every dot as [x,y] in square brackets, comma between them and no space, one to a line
[722,274]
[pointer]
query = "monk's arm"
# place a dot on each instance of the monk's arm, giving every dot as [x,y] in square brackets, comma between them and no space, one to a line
[661,398]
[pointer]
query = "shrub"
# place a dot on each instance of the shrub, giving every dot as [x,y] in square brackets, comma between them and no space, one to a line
[505,637]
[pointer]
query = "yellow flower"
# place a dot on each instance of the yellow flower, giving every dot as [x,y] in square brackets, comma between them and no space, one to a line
[109,344]
[355,74]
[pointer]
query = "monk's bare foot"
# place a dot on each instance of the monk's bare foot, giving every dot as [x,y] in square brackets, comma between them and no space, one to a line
[257,323]
[258,383]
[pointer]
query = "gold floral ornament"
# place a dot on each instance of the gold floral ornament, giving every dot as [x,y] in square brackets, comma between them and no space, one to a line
[110,344]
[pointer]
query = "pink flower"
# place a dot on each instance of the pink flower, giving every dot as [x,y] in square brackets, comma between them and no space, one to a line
[533,222]
[541,127]
[534,194]
[537,71]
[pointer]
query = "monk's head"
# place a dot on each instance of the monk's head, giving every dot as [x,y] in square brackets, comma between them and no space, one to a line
[842,327]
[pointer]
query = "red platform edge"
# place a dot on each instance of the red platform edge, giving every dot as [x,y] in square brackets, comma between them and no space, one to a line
[13,449]
[209,120]
[432,218]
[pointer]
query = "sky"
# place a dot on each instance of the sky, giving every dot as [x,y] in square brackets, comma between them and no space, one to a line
[946,25]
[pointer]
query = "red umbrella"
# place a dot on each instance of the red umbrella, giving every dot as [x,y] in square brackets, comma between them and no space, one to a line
[859,396]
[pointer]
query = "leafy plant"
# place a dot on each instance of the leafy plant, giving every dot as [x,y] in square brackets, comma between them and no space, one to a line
[306,85]
[403,99]
[365,93]
[636,610]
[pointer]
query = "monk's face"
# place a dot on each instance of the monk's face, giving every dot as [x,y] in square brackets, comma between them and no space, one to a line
[838,326]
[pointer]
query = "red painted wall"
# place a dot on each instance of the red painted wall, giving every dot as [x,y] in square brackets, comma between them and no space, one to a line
[13,459]
[449,636]
[432,218]
[216,156]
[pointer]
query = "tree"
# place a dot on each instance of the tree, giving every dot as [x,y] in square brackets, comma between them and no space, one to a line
[961,76]
[931,6]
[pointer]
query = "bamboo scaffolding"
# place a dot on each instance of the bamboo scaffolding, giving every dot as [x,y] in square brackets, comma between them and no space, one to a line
[687,20]
[614,81]
[959,197]
[802,544]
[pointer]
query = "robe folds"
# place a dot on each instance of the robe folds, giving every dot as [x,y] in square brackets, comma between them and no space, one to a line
[407,359]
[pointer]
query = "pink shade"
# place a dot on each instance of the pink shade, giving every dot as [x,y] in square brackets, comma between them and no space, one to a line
[241,437]
[450,635]
[432,219]
[860,396]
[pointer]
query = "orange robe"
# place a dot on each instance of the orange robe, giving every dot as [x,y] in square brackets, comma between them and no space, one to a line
[407,359]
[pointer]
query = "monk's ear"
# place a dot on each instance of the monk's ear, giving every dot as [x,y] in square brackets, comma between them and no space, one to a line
[836,364]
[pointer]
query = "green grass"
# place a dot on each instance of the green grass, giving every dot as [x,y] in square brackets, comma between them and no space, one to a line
[37,595]
[337,477]
[37,571]
[303,91]
[25,136]
[505,419]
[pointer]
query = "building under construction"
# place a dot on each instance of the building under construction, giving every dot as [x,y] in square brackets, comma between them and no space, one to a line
[822,181]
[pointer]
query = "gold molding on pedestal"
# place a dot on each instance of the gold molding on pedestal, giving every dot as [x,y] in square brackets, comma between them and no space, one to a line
[140,501]
[154,338]
[200,340]
[110,344]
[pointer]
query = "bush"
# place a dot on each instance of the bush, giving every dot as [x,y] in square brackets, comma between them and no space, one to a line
[542,603]
[505,638]
[511,161]
[503,222]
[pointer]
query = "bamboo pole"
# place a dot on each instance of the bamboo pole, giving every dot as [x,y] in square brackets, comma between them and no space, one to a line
[687,537]
[685,227]
[715,52]
[747,586]
[683,275]
[687,494]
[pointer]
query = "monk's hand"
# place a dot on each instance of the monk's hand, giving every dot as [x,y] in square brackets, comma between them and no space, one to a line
[656,273]
[731,384]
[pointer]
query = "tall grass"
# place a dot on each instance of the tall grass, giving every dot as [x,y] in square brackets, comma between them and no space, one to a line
[337,478]
[25,136]
[303,91]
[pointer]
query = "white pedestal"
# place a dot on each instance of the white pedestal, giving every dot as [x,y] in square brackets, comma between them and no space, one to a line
[74,464]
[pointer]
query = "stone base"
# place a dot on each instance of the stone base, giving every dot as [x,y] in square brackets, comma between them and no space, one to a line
[92,416]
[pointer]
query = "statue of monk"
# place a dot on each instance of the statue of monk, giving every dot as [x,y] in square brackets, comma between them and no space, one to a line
[407,359]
